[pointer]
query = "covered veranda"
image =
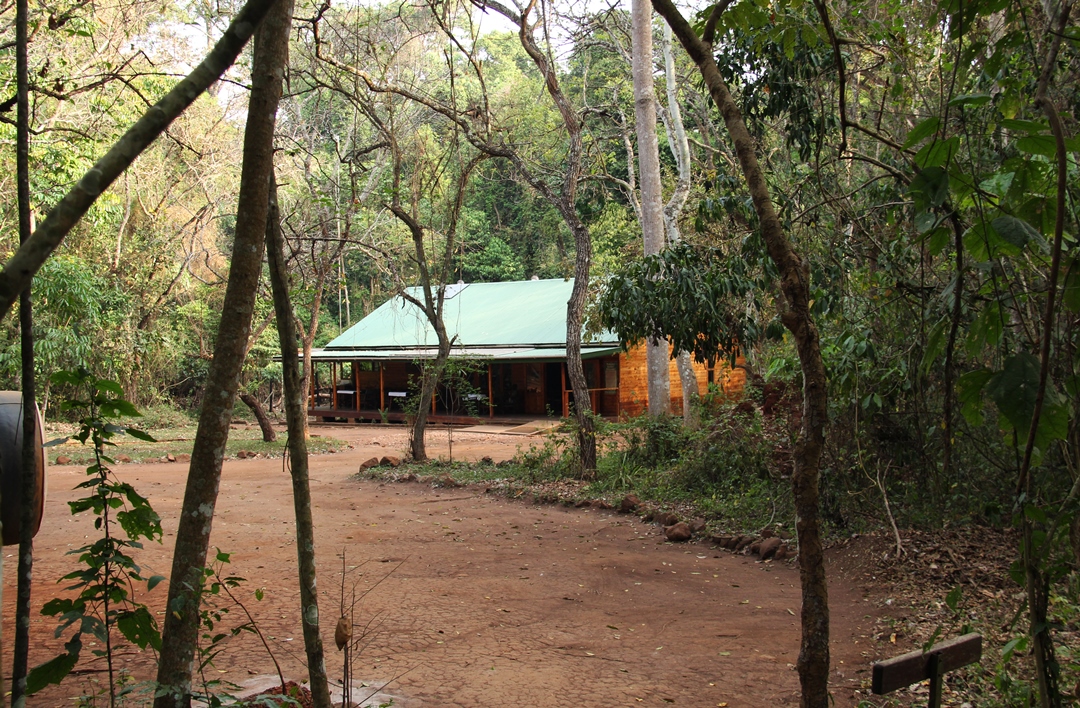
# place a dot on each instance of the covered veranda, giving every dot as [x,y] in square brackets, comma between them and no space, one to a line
[498,385]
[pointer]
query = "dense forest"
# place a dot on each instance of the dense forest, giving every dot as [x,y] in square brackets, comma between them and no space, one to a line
[872,203]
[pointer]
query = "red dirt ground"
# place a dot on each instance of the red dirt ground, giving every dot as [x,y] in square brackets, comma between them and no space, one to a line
[474,600]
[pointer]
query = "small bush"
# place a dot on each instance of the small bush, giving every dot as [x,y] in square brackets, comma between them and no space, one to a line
[650,440]
[557,458]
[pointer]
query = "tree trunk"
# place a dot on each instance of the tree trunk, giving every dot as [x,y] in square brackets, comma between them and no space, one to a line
[652,222]
[307,375]
[680,149]
[180,632]
[428,382]
[1034,556]
[813,663]
[29,458]
[21,267]
[251,402]
[296,416]
[575,313]
[566,204]
[688,379]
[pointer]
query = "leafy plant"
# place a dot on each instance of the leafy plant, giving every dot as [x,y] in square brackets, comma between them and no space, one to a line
[212,613]
[104,584]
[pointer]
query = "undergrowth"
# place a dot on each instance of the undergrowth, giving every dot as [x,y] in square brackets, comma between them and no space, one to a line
[730,471]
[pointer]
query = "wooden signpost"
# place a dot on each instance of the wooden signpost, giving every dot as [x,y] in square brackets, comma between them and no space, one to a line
[932,664]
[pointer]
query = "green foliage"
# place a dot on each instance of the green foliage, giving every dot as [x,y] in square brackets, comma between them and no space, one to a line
[103,585]
[494,263]
[773,55]
[557,458]
[216,600]
[727,468]
[702,301]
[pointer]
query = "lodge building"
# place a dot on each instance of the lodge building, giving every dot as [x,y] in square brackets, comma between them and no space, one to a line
[514,336]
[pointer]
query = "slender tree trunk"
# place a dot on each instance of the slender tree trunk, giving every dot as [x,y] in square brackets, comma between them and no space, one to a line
[813,663]
[942,480]
[21,267]
[680,149]
[429,380]
[575,313]
[268,434]
[308,375]
[652,222]
[180,632]
[28,486]
[566,204]
[296,416]
[1034,553]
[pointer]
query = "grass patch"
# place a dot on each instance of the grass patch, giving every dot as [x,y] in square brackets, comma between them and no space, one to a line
[177,440]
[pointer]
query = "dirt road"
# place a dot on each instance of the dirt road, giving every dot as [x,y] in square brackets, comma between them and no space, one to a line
[471,599]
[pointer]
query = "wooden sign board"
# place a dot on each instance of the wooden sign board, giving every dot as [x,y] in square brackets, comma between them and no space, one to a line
[918,665]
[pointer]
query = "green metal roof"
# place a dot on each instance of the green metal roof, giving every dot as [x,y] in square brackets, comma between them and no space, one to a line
[529,313]
[493,353]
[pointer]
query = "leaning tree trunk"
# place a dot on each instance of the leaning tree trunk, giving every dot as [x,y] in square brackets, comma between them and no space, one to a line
[268,434]
[429,380]
[296,415]
[813,663]
[180,632]
[657,368]
[566,204]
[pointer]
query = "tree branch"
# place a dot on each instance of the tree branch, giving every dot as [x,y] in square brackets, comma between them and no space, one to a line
[21,267]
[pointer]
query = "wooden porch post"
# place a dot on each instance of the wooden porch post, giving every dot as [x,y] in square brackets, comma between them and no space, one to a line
[356,384]
[382,388]
[491,402]
[333,384]
[565,396]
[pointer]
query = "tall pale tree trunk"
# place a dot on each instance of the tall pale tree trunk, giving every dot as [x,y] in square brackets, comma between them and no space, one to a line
[813,663]
[652,223]
[180,632]
[296,417]
[680,149]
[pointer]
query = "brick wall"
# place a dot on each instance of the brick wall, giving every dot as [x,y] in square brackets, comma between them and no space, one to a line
[634,386]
